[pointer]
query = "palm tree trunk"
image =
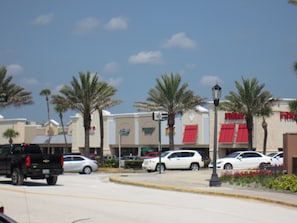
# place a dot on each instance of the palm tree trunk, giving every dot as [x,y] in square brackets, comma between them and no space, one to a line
[49,123]
[171,123]
[101,133]
[62,123]
[249,124]
[87,123]
[264,126]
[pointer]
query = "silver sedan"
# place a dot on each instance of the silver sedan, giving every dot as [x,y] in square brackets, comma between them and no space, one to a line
[79,164]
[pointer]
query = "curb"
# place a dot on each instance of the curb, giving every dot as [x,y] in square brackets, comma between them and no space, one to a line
[201,191]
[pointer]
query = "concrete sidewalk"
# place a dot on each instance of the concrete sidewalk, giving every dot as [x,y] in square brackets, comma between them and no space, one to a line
[198,182]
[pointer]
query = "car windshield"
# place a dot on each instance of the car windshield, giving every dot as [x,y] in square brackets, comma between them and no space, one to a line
[165,153]
[272,154]
[232,155]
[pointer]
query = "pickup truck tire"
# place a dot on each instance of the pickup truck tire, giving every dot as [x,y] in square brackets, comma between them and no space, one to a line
[52,180]
[17,177]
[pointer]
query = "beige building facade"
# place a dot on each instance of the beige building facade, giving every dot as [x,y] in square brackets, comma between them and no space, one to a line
[280,122]
[137,133]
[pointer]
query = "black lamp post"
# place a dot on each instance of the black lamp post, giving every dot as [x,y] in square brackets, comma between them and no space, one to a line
[216,94]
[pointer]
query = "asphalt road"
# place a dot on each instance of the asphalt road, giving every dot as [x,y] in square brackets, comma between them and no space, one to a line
[93,198]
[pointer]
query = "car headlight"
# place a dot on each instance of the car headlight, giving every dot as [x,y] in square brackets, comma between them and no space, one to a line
[151,161]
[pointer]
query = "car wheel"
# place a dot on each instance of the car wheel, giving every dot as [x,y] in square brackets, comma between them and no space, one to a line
[52,180]
[263,166]
[228,166]
[87,170]
[160,167]
[17,177]
[195,166]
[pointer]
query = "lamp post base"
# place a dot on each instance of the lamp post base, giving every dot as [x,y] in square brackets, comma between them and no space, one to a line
[214,181]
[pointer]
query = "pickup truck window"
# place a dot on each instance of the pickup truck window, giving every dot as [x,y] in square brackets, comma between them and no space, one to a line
[4,151]
[26,149]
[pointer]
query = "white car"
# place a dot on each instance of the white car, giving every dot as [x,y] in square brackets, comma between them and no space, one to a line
[277,158]
[242,160]
[174,159]
[79,164]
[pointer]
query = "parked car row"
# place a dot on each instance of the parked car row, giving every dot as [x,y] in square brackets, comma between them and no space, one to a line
[180,159]
[248,160]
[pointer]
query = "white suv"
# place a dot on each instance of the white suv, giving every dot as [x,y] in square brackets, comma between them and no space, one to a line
[174,159]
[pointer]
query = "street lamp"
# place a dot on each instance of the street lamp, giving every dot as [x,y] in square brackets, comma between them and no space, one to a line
[122,132]
[216,94]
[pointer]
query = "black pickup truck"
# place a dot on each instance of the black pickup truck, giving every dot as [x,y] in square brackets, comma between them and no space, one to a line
[20,161]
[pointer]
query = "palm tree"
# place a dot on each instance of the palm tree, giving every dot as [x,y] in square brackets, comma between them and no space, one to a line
[47,93]
[15,95]
[10,134]
[104,101]
[172,96]
[293,108]
[82,95]
[60,109]
[266,111]
[248,100]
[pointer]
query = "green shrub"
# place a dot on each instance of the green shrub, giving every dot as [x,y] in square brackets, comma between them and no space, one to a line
[114,163]
[206,162]
[133,164]
[285,182]
[272,179]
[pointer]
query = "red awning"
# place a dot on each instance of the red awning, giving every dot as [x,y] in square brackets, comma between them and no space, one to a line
[227,133]
[190,134]
[242,134]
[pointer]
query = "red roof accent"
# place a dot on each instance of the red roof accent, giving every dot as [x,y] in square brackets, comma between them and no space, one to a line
[190,134]
[242,134]
[227,133]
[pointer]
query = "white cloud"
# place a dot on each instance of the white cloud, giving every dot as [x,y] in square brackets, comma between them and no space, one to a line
[180,40]
[86,25]
[30,82]
[58,88]
[190,66]
[150,57]
[43,19]
[115,82]
[14,69]
[210,81]
[111,67]
[117,23]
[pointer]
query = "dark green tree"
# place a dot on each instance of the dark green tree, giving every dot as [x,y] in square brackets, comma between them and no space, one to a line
[60,109]
[10,134]
[82,95]
[104,101]
[172,96]
[266,111]
[293,108]
[248,100]
[15,95]
[47,93]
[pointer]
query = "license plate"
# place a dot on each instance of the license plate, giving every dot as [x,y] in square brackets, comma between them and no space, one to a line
[45,171]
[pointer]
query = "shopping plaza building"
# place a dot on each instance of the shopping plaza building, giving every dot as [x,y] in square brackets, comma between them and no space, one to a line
[137,133]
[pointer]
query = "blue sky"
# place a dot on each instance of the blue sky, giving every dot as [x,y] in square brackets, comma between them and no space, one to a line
[44,43]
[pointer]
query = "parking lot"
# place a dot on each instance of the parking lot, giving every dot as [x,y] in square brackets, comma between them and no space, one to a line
[93,198]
